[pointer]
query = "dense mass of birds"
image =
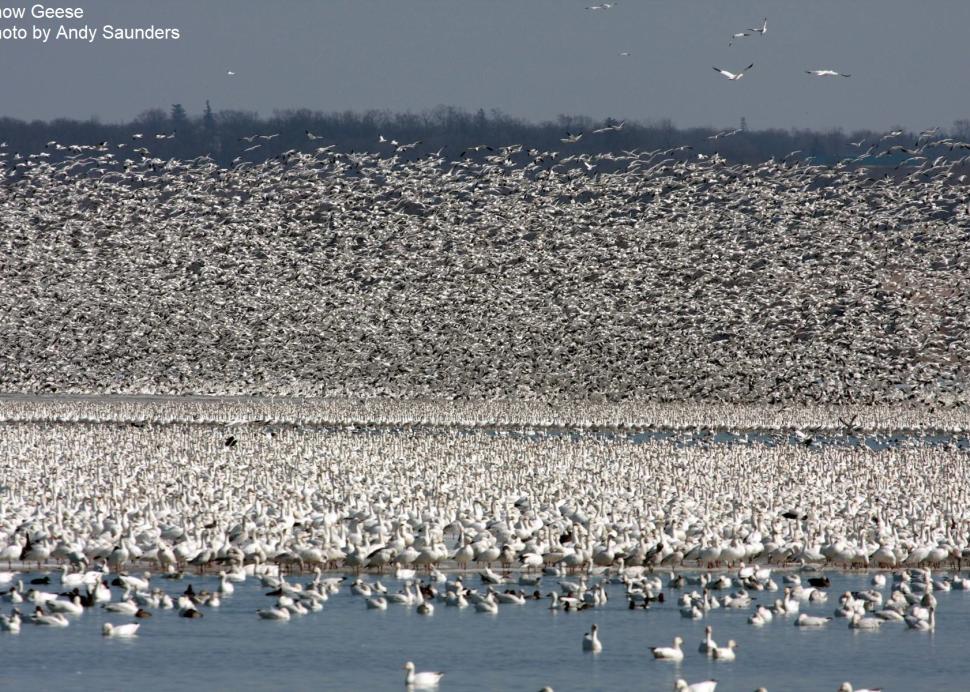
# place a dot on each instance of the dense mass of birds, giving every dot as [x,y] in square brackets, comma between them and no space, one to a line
[106,502]
[178,496]
[885,425]
[499,272]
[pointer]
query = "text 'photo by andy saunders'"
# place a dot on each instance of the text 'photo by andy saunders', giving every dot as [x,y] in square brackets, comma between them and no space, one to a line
[42,23]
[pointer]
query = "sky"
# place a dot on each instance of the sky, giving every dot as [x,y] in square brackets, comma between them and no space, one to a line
[909,61]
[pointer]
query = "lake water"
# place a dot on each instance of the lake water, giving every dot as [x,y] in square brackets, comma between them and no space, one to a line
[347,647]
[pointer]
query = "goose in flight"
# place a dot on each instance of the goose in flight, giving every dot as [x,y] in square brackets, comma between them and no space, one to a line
[610,128]
[736,36]
[731,75]
[230,73]
[826,73]
[763,29]
[604,6]
[571,139]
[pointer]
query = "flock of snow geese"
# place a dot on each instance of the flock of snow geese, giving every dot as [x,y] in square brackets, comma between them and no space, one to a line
[515,273]
[254,498]
[761,30]
[471,309]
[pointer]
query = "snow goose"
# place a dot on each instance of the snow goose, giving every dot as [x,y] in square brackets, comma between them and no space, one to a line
[669,653]
[761,616]
[510,597]
[725,653]
[708,644]
[122,631]
[733,77]
[916,621]
[226,586]
[127,607]
[705,686]
[591,641]
[41,618]
[857,622]
[273,613]
[403,598]
[826,73]
[487,605]
[805,620]
[72,606]
[10,623]
[420,680]
[377,603]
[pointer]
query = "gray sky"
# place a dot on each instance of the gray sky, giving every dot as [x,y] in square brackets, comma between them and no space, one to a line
[909,61]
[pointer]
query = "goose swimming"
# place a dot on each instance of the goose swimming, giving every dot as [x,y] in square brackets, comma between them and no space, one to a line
[669,653]
[705,686]
[122,631]
[591,641]
[725,653]
[420,680]
[708,644]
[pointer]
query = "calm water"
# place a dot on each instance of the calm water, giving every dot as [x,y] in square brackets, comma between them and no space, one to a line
[347,647]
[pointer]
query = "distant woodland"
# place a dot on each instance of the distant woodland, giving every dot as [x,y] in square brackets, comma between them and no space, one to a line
[228,135]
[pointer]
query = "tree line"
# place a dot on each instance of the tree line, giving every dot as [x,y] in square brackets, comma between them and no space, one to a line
[227,135]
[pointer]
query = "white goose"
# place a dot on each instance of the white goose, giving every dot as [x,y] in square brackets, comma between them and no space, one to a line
[591,641]
[916,622]
[761,616]
[805,620]
[420,680]
[10,623]
[377,603]
[669,653]
[731,75]
[705,686]
[708,644]
[41,618]
[72,606]
[274,613]
[725,653]
[127,607]
[826,73]
[487,605]
[120,631]
[226,587]
[857,622]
